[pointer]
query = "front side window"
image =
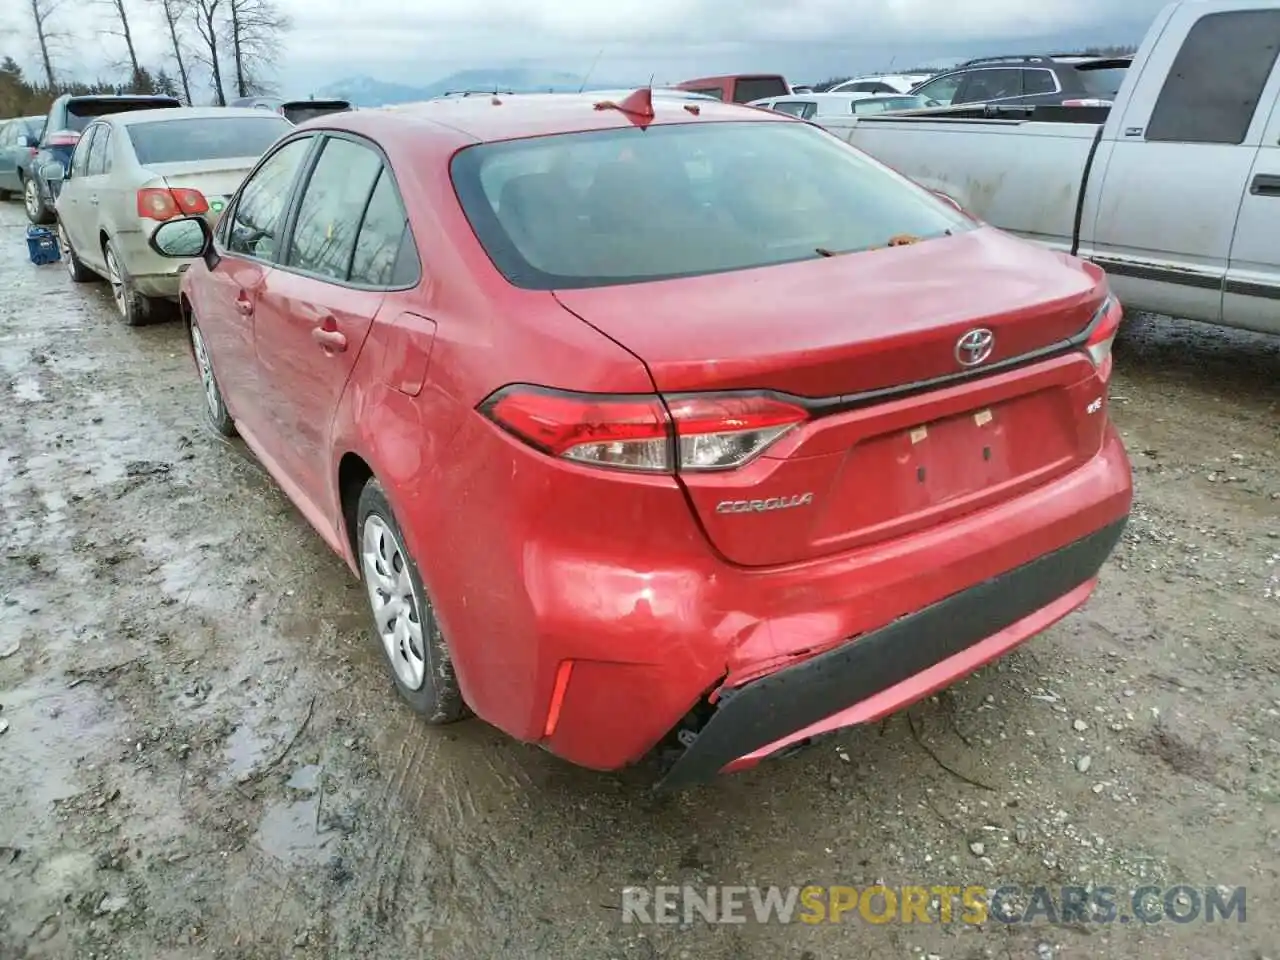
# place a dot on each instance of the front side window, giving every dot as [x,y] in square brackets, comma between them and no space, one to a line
[257,218]
[981,86]
[942,90]
[680,200]
[331,209]
[804,109]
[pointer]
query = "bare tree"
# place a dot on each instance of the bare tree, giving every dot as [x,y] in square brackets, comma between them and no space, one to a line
[42,15]
[120,15]
[255,31]
[176,13]
[208,15]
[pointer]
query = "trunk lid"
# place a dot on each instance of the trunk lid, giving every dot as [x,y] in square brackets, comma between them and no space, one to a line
[216,179]
[876,321]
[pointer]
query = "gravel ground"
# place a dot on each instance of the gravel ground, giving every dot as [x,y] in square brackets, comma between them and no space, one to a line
[201,756]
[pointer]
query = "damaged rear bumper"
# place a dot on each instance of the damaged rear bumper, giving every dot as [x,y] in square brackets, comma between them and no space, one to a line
[936,645]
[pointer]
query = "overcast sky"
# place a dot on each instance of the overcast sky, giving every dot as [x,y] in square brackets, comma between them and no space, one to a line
[419,41]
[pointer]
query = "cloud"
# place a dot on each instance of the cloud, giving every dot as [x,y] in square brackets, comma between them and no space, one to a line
[420,42]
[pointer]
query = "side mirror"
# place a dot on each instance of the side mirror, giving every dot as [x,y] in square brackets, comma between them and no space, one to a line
[53,172]
[183,238]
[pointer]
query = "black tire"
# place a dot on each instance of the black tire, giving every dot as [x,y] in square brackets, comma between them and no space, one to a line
[78,272]
[215,408]
[437,699]
[134,308]
[37,210]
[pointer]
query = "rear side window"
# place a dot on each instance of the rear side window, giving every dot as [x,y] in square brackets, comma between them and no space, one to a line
[100,154]
[796,108]
[1202,101]
[628,205]
[1038,81]
[213,138]
[80,159]
[747,89]
[332,206]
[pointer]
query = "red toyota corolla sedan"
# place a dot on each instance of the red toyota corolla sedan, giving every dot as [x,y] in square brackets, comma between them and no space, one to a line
[659,424]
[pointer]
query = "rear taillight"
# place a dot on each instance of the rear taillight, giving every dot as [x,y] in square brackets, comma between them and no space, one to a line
[714,431]
[62,138]
[1102,333]
[165,203]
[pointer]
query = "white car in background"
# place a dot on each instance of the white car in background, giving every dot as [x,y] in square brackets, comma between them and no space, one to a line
[808,106]
[885,83]
[893,103]
[133,171]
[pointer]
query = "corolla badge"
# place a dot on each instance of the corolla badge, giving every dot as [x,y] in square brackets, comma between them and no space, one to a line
[761,506]
[974,347]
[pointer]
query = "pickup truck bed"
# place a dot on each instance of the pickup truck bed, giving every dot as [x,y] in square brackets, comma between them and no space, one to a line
[1174,190]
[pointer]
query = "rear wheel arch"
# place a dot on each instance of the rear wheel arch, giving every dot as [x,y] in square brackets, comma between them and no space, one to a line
[353,473]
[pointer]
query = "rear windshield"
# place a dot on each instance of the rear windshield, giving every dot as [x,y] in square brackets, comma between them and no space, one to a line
[205,138]
[681,200]
[747,89]
[302,112]
[1102,82]
[881,104]
[80,112]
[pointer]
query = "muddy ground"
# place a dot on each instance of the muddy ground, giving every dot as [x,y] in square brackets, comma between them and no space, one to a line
[202,756]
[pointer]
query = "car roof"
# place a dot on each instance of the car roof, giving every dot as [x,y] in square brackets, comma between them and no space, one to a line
[188,113]
[510,117]
[824,97]
[120,98]
[732,76]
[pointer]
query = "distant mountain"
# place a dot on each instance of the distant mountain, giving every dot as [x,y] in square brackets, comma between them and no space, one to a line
[364,91]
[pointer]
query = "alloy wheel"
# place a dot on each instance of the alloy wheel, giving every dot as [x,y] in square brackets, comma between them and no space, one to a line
[31,197]
[116,279]
[396,611]
[65,246]
[211,397]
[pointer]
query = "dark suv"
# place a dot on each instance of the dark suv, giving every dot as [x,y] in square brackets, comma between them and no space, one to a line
[1063,79]
[66,118]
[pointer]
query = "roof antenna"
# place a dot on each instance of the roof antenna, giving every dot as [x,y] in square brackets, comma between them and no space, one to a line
[590,70]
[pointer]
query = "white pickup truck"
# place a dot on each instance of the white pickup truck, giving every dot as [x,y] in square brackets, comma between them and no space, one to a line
[1174,190]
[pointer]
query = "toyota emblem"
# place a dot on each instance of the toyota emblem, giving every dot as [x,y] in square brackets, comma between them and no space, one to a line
[974,347]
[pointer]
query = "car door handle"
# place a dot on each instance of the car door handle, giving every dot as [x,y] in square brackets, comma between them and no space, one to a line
[331,340]
[1265,185]
[94,200]
[244,306]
